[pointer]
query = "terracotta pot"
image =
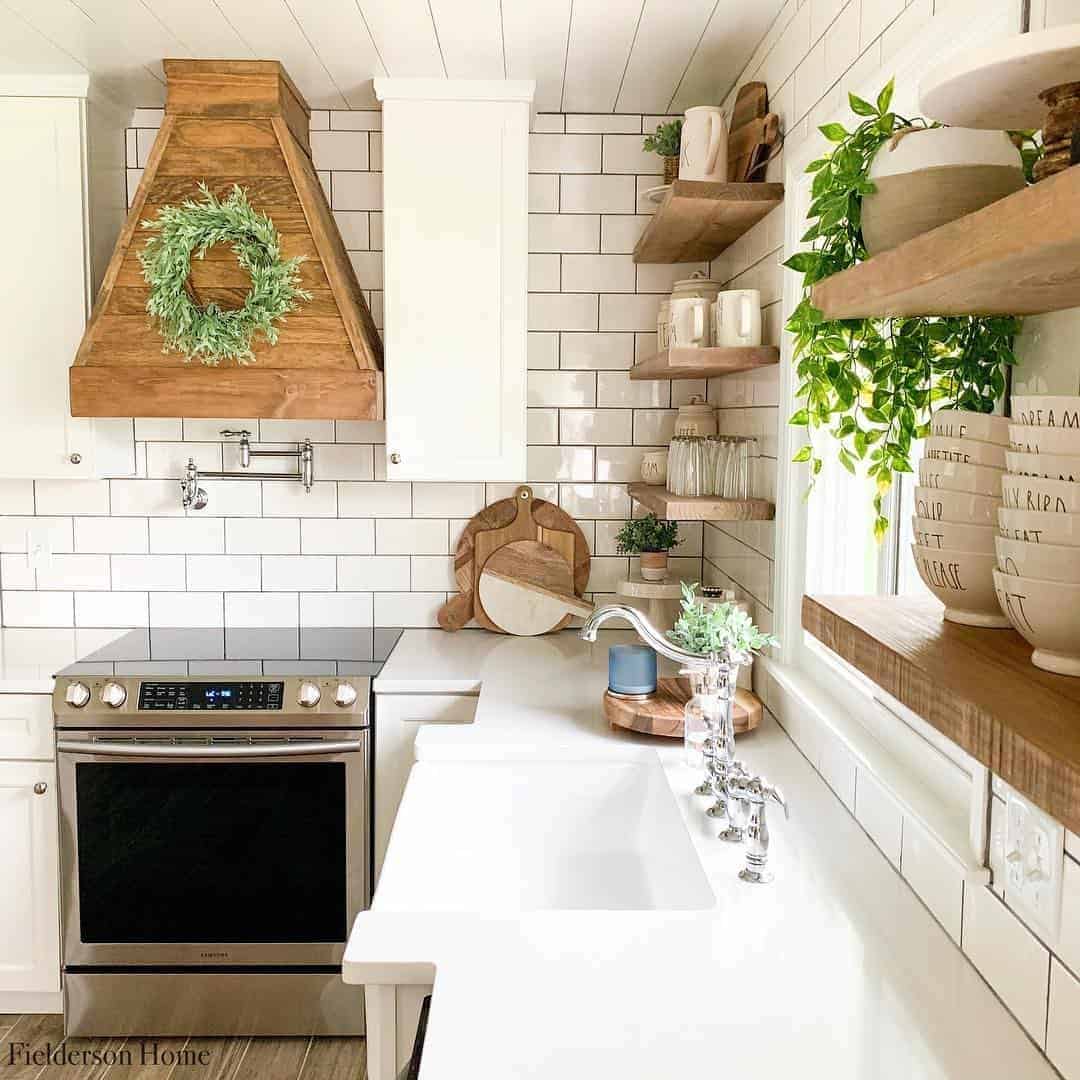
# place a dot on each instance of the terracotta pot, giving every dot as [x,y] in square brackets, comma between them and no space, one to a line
[654,565]
[927,178]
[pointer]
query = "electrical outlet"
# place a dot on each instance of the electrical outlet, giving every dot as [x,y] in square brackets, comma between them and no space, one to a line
[1034,866]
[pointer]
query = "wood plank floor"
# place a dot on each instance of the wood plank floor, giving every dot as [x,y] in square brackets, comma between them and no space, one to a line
[23,1053]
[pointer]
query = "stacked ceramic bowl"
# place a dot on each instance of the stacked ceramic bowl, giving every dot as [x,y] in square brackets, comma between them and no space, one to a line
[1038,549]
[956,506]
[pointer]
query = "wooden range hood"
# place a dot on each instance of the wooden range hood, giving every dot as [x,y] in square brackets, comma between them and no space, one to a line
[226,122]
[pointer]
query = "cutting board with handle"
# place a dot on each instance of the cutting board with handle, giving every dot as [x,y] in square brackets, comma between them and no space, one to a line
[520,517]
[753,134]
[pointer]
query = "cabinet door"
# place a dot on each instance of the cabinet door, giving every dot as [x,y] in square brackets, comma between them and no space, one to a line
[455,199]
[43,288]
[29,886]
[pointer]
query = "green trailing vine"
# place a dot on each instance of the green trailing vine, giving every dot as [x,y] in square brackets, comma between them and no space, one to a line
[871,384]
[209,332]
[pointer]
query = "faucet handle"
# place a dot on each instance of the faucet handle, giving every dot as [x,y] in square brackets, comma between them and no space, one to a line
[777,796]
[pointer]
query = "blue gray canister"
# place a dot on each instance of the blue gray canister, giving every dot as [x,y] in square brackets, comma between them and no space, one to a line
[631,669]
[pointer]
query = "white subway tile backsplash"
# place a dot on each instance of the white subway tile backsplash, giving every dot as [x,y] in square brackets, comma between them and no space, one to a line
[356,191]
[1062,1031]
[345,462]
[356,120]
[552,463]
[223,573]
[625,154]
[340,609]
[543,193]
[103,535]
[148,573]
[374,500]
[544,274]
[354,228]
[568,388]
[542,427]
[594,500]
[111,609]
[408,609]
[562,311]
[158,429]
[431,573]
[368,267]
[240,498]
[593,426]
[661,277]
[564,153]
[592,123]
[616,389]
[597,273]
[37,608]
[287,498]
[63,497]
[360,431]
[618,464]
[299,573]
[169,460]
[412,537]
[600,352]
[16,572]
[17,496]
[339,149]
[182,609]
[620,232]
[619,311]
[252,536]
[597,195]
[187,536]
[1009,957]
[564,232]
[322,536]
[366,573]
[254,609]
[143,498]
[543,349]
[434,500]
[933,874]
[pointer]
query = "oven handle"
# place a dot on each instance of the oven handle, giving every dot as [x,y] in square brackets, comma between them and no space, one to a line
[291,749]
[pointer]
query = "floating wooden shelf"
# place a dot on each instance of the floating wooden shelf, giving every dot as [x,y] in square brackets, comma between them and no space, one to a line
[977,687]
[697,220]
[700,507]
[1017,256]
[704,363]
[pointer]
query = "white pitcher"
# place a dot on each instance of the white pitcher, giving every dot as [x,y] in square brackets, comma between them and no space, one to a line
[704,144]
[737,318]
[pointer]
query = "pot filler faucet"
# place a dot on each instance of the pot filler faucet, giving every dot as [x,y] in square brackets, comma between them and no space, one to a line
[740,797]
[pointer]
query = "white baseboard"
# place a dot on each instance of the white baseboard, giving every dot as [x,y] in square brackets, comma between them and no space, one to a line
[13,1002]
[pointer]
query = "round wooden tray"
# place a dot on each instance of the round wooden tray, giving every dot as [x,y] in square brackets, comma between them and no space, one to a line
[997,86]
[662,713]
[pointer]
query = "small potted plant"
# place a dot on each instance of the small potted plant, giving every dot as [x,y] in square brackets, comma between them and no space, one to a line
[665,142]
[651,539]
[721,629]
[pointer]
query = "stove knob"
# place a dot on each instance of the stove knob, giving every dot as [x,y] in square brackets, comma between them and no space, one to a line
[77,694]
[345,695]
[308,695]
[113,694]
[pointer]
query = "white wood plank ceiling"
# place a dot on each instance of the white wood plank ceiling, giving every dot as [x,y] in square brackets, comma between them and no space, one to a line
[650,56]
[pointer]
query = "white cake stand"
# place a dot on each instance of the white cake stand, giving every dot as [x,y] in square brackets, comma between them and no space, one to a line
[661,599]
[998,86]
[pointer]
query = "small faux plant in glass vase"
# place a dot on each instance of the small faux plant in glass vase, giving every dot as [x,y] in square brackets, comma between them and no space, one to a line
[651,539]
[666,141]
[726,637]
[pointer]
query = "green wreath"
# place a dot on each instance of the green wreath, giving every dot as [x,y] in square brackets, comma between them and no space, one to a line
[209,332]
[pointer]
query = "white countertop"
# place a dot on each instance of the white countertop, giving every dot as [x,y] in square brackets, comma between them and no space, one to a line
[29,658]
[835,970]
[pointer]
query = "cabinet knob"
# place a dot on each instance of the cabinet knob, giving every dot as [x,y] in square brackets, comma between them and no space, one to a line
[75,459]
[40,787]
[395,458]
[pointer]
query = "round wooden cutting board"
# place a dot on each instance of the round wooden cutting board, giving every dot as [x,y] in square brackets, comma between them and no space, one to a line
[515,610]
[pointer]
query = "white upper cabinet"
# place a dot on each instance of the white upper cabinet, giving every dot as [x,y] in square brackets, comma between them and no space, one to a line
[455,221]
[45,279]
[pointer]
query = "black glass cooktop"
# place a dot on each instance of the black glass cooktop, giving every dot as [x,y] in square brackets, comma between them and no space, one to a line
[235,651]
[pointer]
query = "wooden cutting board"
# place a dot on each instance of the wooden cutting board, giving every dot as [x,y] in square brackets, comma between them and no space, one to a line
[527,588]
[520,517]
[753,133]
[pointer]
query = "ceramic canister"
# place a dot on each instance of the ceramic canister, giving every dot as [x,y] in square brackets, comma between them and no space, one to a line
[654,467]
[697,417]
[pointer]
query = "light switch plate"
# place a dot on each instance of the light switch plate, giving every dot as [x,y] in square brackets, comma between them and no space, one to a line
[1034,866]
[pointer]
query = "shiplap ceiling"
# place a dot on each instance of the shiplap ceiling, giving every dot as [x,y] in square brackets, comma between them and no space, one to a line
[651,56]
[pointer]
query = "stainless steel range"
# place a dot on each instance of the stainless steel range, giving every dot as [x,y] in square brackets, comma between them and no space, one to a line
[215,811]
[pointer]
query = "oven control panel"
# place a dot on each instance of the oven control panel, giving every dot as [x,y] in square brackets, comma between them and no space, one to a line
[247,696]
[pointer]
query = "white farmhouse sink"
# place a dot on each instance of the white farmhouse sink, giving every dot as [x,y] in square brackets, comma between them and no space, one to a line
[532,836]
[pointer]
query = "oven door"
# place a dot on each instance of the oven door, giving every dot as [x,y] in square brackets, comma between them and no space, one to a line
[250,848]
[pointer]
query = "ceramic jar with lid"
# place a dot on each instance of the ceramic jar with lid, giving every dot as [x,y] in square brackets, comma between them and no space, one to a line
[696,285]
[696,417]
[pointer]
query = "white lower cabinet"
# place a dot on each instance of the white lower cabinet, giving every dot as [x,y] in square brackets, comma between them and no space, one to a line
[397,718]
[29,885]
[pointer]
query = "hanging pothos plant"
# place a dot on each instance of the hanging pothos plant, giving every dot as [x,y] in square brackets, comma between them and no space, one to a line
[871,383]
